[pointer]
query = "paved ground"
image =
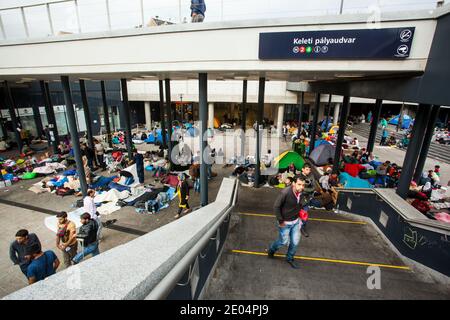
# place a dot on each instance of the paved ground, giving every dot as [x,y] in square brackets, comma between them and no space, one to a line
[316,279]
[245,272]
[396,155]
[129,224]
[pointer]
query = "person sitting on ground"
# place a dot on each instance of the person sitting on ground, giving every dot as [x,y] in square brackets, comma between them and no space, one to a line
[43,264]
[88,232]
[115,140]
[437,170]
[392,141]
[435,180]
[62,148]
[333,181]
[355,143]
[324,180]
[393,175]
[18,249]
[382,171]
[161,167]
[3,145]
[26,150]
[427,189]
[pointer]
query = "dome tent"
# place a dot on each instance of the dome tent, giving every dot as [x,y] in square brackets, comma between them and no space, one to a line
[406,121]
[286,158]
[322,153]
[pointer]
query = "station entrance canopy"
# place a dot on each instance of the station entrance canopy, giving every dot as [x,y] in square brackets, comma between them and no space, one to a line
[344,48]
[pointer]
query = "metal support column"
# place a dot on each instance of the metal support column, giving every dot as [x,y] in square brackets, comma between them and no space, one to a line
[87,114]
[374,125]
[74,133]
[426,142]
[162,114]
[203,115]
[51,119]
[313,130]
[37,120]
[2,125]
[12,114]
[169,115]
[106,114]
[259,121]
[300,113]
[340,139]
[243,116]
[413,151]
[126,112]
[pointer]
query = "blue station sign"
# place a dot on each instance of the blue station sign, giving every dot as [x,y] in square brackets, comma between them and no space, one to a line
[388,43]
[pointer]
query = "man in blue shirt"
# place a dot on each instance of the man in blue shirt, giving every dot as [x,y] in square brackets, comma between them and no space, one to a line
[18,249]
[43,264]
[198,9]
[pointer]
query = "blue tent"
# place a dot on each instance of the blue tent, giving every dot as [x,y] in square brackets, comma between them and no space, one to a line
[350,182]
[152,139]
[193,131]
[406,121]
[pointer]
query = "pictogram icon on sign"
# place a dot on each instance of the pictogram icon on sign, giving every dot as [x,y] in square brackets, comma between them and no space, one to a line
[405,35]
[402,50]
[295,49]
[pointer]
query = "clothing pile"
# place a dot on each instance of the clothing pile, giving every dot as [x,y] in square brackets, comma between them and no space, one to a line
[434,203]
[29,167]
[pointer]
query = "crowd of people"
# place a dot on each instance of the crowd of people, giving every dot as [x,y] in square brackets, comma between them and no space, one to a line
[36,264]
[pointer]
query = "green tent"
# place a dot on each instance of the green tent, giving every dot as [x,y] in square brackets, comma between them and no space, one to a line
[286,158]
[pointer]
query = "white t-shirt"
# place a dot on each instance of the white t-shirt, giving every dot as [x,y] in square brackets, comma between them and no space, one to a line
[90,207]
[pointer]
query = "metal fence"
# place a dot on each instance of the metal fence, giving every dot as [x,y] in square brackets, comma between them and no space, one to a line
[37,19]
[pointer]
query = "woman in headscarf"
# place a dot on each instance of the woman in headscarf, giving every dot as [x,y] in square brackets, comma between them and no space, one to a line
[427,189]
[183,196]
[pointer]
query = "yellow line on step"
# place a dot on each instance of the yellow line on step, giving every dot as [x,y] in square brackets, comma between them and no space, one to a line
[357,263]
[312,219]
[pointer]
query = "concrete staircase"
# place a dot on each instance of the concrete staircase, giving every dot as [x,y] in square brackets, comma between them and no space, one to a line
[437,151]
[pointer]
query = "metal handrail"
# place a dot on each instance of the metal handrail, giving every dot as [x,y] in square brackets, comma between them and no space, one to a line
[165,286]
[49,3]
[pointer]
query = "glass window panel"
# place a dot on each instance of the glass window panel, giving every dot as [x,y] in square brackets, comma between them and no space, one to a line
[13,24]
[125,17]
[93,15]
[64,17]
[37,21]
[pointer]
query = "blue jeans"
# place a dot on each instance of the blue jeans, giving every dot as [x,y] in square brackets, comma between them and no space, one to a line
[287,234]
[92,248]
[197,185]
[209,169]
